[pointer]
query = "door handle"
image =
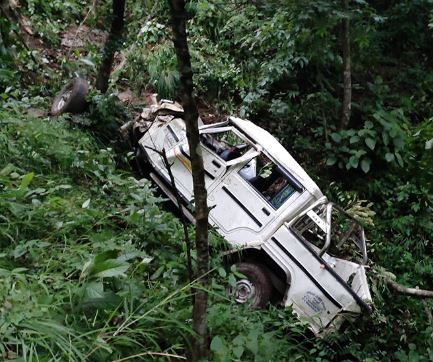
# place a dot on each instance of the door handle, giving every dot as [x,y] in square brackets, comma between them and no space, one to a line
[266,211]
[217,164]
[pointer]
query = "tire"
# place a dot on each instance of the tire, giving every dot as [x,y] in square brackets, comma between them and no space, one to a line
[142,164]
[72,98]
[255,288]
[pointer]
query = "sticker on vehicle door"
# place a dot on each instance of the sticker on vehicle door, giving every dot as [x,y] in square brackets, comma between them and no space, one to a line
[314,301]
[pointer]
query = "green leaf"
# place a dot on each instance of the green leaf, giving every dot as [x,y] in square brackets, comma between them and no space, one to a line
[105,265]
[238,351]
[86,204]
[368,125]
[26,180]
[218,346]
[94,290]
[232,280]
[398,142]
[7,169]
[336,137]
[353,162]
[222,273]
[109,268]
[385,138]
[365,165]
[399,159]
[354,139]
[389,157]
[370,142]
[157,273]
[252,341]
[331,161]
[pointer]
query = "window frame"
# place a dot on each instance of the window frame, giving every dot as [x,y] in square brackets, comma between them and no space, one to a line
[295,184]
[223,128]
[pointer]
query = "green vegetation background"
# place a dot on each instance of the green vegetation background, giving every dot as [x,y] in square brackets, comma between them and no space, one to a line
[91,266]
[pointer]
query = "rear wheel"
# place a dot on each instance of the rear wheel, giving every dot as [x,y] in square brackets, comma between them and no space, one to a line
[254,287]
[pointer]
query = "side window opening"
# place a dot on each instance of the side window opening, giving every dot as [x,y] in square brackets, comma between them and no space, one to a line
[227,144]
[268,180]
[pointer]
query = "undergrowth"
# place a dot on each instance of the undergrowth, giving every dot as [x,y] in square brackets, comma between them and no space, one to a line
[92,268]
[87,257]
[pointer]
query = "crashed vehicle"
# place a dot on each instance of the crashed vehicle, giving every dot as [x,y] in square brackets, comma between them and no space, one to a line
[284,234]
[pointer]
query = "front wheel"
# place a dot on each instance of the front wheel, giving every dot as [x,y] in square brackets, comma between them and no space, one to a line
[254,287]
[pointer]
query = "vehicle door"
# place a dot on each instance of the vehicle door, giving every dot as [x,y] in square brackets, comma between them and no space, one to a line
[249,197]
[168,135]
[219,145]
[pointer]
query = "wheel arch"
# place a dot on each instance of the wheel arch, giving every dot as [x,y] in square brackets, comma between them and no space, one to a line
[279,278]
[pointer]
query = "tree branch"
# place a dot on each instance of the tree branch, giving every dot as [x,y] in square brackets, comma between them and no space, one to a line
[414,292]
[167,165]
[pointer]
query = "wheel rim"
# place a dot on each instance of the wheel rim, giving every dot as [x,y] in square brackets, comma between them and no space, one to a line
[62,101]
[244,291]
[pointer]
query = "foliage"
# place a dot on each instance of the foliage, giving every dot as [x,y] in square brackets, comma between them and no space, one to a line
[382,139]
[74,269]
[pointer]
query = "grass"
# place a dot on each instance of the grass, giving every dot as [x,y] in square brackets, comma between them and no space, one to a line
[78,239]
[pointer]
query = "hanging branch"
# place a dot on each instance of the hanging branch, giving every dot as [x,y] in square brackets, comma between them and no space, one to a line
[183,220]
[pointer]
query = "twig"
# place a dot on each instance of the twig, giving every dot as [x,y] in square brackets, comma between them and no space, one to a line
[124,54]
[167,165]
[91,9]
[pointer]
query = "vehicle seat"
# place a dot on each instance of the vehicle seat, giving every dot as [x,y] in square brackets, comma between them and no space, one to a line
[230,154]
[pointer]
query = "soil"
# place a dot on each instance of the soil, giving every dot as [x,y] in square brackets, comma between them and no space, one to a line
[76,37]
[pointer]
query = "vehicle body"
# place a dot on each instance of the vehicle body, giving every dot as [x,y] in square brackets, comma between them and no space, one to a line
[263,203]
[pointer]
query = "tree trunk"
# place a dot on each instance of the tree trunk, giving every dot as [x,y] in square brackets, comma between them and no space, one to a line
[347,71]
[178,18]
[112,44]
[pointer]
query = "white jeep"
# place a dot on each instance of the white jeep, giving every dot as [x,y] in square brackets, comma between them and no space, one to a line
[284,233]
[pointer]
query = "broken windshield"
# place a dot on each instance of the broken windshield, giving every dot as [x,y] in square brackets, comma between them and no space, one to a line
[334,231]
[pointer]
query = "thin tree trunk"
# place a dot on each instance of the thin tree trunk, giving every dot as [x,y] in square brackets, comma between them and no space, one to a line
[178,17]
[112,44]
[347,70]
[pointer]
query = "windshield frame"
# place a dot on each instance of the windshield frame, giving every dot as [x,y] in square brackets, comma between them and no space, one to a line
[326,226]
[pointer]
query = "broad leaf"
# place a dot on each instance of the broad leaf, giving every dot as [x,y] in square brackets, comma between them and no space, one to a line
[365,165]
[370,142]
[389,157]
